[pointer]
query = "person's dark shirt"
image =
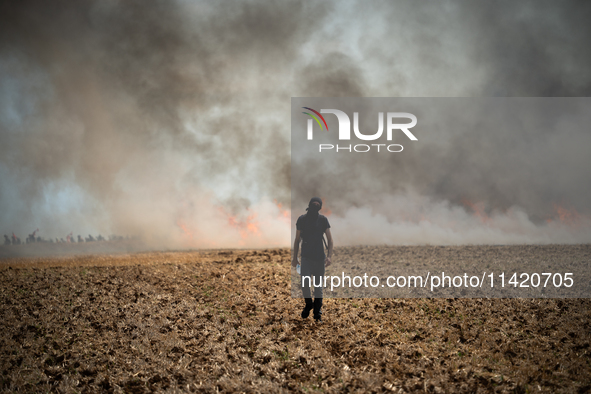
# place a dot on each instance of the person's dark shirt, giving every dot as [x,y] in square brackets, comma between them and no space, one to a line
[312,234]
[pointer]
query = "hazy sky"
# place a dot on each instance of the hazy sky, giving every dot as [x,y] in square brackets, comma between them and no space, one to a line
[147,117]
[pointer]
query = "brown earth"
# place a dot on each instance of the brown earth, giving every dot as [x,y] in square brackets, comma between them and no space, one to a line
[225,321]
[46,249]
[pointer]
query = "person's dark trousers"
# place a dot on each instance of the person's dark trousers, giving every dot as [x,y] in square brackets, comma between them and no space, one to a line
[314,270]
[317,308]
[309,306]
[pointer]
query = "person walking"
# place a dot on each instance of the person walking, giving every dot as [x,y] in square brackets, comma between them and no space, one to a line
[310,230]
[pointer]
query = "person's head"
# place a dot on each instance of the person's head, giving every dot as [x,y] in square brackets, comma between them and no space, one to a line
[315,204]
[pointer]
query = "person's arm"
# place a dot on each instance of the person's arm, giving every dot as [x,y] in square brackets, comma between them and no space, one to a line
[296,249]
[328,260]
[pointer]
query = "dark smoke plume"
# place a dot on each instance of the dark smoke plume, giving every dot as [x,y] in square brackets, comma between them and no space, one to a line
[130,117]
[170,119]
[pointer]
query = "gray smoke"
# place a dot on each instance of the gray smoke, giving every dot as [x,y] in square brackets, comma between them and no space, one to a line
[500,170]
[135,117]
[464,48]
[128,117]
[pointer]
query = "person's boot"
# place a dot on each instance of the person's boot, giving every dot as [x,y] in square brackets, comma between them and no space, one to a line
[318,310]
[309,306]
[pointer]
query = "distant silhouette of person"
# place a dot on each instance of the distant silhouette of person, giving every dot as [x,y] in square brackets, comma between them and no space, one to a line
[311,228]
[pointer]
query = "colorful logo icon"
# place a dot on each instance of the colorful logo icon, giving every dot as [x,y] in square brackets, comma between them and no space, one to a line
[315,118]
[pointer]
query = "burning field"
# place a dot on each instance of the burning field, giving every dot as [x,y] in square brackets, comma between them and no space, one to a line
[225,321]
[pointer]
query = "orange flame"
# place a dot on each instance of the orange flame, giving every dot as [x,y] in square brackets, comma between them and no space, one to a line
[247,227]
[478,209]
[185,229]
[565,216]
[284,212]
[325,210]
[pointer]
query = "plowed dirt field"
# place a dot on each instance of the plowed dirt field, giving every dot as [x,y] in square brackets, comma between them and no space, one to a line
[224,321]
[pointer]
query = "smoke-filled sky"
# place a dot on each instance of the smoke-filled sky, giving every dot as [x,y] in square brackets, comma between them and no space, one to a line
[171,119]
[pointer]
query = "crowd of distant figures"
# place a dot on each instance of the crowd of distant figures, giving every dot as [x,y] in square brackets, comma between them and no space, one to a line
[14,240]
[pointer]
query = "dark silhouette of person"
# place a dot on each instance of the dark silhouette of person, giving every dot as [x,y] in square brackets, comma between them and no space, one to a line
[311,228]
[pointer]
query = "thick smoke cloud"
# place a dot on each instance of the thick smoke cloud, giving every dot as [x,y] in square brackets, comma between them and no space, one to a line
[138,118]
[170,120]
[502,186]
[465,48]
[500,170]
